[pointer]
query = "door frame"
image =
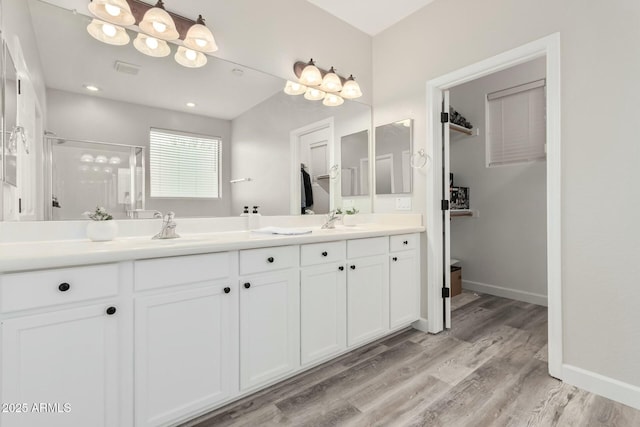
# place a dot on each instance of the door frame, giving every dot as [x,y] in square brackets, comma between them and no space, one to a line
[548,47]
[294,138]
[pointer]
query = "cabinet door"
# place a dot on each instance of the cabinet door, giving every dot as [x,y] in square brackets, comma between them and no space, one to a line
[404,301]
[269,327]
[185,352]
[367,299]
[323,312]
[63,366]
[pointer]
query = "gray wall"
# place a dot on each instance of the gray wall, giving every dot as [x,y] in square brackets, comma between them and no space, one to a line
[505,246]
[600,92]
[90,117]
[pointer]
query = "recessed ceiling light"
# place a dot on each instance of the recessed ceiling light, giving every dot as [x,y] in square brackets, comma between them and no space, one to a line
[92,88]
[191,104]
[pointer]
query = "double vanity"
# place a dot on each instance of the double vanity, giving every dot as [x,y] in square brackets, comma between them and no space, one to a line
[137,332]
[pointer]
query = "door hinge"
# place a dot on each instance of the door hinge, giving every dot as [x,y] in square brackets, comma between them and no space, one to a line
[19,87]
[445,293]
[444,205]
[20,205]
[444,117]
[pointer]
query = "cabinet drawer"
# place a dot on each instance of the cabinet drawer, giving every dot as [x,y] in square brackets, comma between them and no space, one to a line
[321,253]
[403,242]
[44,288]
[181,270]
[268,259]
[367,247]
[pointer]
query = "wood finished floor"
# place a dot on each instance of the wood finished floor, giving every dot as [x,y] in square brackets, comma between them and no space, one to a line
[489,370]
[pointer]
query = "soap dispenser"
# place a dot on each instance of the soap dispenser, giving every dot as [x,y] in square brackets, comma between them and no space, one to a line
[245,211]
[254,219]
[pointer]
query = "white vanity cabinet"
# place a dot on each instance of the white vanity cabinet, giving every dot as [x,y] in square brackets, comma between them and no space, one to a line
[61,348]
[404,291]
[323,301]
[269,315]
[186,335]
[367,289]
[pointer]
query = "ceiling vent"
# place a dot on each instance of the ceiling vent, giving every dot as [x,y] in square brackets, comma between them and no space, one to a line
[126,68]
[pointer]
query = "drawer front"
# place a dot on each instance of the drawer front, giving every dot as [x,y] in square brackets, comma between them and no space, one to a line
[268,259]
[322,253]
[36,289]
[181,270]
[403,242]
[367,247]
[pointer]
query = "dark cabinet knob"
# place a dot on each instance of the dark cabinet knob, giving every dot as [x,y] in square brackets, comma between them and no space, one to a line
[353,267]
[227,290]
[247,285]
[406,242]
[270,259]
[395,258]
[341,268]
[111,311]
[64,287]
[324,253]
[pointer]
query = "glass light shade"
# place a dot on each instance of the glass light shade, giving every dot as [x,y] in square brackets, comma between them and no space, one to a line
[114,11]
[190,58]
[293,88]
[101,159]
[313,94]
[351,89]
[151,46]
[115,160]
[332,100]
[86,158]
[310,75]
[108,33]
[200,38]
[159,24]
[331,82]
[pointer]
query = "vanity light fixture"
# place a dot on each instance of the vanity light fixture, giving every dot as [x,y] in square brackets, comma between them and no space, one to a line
[310,75]
[86,158]
[108,33]
[293,88]
[91,88]
[191,104]
[115,12]
[317,84]
[331,82]
[190,58]
[158,23]
[332,100]
[200,38]
[101,159]
[115,160]
[151,46]
[313,94]
[351,89]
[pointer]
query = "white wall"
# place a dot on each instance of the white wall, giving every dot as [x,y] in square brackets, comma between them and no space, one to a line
[600,92]
[89,117]
[505,246]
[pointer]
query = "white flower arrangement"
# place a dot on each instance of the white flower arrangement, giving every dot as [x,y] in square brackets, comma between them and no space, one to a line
[100,214]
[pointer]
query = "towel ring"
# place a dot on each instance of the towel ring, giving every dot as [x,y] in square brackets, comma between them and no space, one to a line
[419,159]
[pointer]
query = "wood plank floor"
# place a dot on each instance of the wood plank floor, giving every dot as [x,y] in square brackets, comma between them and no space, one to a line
[489,370]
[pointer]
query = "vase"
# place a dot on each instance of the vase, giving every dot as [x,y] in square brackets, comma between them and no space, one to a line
[102,231]
[349,220]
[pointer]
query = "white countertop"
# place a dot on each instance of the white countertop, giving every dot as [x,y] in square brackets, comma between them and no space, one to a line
[63,253]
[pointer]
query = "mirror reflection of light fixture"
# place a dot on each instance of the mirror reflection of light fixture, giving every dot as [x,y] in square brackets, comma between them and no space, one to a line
[151,46]
[86,158]
[351,89]
[190,58]
[332,100]
[331,82]
[108,33]
[313,94]
[115,160]
[310,75]
[200,38]
[101,159]
[327,85]
[293,88]
[158,23]
[114,11]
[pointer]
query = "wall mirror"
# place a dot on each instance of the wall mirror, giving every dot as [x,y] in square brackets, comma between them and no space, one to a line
[244,108]
[354,164]
[393,157]
[11,133]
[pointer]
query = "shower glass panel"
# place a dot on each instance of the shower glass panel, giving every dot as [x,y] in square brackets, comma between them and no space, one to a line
[86,174]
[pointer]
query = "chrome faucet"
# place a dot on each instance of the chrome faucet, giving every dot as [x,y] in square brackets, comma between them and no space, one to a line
[332,217]
[168,230]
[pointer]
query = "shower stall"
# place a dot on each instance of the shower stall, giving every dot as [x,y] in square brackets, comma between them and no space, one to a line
[81,175]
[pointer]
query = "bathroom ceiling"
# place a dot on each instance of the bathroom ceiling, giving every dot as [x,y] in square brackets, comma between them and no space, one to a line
[371,16]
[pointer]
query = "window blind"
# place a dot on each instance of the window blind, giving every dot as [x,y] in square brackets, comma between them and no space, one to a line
[183,165]
[516,125]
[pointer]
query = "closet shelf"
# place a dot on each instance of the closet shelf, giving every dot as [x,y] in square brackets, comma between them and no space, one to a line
[462,129]
[325,176]
[461,212]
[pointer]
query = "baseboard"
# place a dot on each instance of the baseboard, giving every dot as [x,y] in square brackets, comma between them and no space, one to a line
[505,292]
[619,391]
[421,325]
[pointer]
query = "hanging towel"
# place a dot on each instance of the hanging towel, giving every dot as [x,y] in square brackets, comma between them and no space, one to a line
[308,192]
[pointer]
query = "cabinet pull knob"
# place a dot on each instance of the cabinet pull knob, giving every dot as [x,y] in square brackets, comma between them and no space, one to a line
[406,242]
[353,267]
[247,285]
[341,268]
[64,287]
[227,290]
[111,311]
[324,253]
[395,258]
[270,259]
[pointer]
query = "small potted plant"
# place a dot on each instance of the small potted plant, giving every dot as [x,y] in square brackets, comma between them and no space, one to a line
[349,218]
[102,227]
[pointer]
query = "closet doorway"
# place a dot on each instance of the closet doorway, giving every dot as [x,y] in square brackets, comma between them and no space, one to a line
[438,219]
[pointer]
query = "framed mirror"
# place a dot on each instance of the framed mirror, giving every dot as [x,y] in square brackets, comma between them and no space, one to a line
[393,157]
[354,164]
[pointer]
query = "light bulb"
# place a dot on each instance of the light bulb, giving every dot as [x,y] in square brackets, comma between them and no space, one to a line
[109,30]
[151,42]
[201,42]
[191,54]
[159,26]
[112,10]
